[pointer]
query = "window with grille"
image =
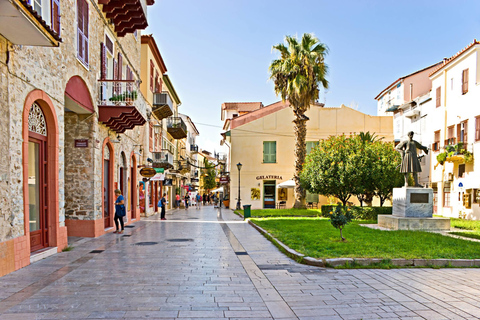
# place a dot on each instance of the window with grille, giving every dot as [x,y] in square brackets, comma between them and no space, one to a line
[269,152]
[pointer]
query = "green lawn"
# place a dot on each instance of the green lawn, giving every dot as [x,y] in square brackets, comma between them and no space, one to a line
[316,237]
[473,225]
[468,234]
[261,213]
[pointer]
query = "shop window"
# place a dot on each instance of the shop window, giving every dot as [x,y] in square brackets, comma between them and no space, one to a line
[269,152]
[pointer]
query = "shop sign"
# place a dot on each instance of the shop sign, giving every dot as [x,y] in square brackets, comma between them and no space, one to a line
[81,143]
[223,180]
[269,178]
[148,172]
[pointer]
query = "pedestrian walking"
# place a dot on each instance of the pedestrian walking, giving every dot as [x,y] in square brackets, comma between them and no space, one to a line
[177,201]
[199,201]
[204,198]
[119,211]
[162,204]
[187,199]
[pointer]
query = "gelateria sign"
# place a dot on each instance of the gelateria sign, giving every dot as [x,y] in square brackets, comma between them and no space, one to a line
[269,178]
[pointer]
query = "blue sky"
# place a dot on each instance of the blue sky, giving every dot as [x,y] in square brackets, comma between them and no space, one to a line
[219,50]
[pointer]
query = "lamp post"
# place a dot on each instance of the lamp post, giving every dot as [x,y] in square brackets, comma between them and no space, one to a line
[239,167]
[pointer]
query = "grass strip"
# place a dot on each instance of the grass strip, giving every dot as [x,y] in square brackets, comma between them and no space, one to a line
[317,238]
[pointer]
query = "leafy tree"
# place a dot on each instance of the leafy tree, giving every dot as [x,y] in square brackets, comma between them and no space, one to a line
[386,172]
[297,76]
[340,217]
[330,169]
[209,174]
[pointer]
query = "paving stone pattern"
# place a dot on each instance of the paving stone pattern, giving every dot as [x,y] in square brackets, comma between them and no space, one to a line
[219,267]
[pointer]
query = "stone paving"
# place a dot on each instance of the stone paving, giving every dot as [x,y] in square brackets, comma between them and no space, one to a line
[206,264]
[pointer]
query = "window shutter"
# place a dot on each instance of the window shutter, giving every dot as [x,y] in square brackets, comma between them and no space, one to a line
[85,28]
[103,61]
[477,128]
[115,70]
[80,29]
[156,81]
[438,97]
[120,66]
[56,16]
[465,132]
[265,151]
[464,81]
[151,75]
[150,138]
[273,151]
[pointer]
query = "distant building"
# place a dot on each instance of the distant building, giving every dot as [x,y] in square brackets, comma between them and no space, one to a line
[403,90]
[263,142]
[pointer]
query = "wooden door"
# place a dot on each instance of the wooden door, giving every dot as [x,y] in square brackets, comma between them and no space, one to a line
[38,191]
[107,194]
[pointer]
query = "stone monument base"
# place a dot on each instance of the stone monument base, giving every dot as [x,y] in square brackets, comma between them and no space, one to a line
[408,223]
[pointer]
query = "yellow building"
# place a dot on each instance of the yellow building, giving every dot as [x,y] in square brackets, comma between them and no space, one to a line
[263,142]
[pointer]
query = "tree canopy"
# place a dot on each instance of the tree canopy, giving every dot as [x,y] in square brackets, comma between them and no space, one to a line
[343,166]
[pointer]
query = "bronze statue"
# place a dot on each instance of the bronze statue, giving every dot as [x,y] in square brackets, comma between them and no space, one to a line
[410,163]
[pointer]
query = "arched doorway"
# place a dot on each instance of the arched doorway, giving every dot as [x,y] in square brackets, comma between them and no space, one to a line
[38,186]
[107,185]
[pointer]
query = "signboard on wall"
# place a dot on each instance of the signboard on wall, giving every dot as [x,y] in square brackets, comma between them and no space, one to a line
[81,143]
[269,178]
[148,172]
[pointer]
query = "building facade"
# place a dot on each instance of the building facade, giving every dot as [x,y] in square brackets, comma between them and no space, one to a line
[455,132]
[263,142]
[81,117]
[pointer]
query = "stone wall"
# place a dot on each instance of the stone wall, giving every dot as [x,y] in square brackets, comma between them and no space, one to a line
[79,172]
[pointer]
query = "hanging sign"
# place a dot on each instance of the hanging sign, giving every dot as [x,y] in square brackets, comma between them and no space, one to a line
[148,172]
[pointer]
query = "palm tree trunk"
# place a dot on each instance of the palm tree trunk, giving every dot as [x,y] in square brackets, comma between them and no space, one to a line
[300,128]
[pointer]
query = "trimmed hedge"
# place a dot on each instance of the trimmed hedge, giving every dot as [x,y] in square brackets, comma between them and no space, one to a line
[359,213]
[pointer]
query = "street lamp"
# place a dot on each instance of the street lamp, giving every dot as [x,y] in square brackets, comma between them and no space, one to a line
[239,167]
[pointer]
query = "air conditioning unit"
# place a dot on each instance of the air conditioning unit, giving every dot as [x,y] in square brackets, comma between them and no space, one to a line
[159,156]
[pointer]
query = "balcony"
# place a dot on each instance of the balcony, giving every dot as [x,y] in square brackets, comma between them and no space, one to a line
[461,152]
[27,23]
[162,105]
[118,105]
[176,128]
[185,164]
[163,159]
[126,15]
[450,141]
[193,148]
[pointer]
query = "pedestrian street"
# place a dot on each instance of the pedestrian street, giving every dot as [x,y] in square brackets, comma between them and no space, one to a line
[210,264]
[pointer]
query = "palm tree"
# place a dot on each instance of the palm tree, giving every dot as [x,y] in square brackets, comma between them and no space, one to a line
[297,76]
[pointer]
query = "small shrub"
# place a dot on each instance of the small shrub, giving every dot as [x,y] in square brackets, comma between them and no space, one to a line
[359,213]
[340,217]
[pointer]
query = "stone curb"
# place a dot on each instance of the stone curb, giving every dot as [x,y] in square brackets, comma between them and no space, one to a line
[462,263]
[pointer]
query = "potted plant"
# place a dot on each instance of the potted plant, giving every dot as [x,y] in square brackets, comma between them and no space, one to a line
[442,157]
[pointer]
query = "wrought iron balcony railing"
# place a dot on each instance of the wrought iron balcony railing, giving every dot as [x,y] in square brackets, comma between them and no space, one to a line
[162,105]
[117,92]
[163,159]
[177,128]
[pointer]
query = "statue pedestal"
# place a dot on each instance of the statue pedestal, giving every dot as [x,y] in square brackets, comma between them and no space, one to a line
[413,210]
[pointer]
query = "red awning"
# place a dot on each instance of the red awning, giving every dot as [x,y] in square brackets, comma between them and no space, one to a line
[77,91]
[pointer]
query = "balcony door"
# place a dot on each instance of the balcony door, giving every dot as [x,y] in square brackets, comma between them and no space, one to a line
[37,179]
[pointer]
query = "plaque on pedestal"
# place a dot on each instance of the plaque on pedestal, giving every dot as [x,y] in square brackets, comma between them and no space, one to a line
[413,202]
[413,210]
